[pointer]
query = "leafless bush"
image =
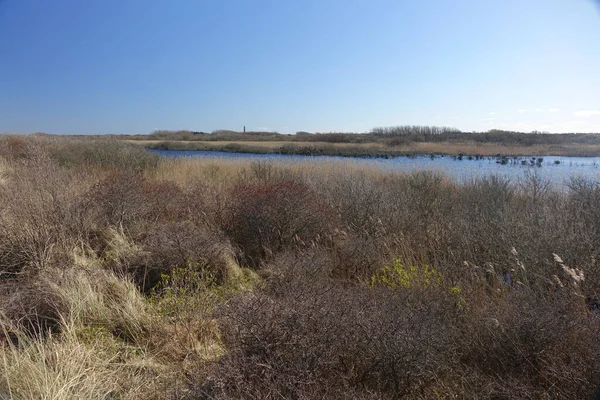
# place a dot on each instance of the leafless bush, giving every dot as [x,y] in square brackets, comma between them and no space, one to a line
[29,308]
[297,267]
[530,345]
[326,341]
[176,245]
[357,257]
[40,216]
[100,153]
[119,198]
[266,217]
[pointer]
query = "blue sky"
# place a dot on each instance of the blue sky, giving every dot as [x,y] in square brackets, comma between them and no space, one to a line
[133,66]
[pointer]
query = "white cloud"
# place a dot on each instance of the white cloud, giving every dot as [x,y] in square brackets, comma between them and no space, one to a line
[553,110]
[493,113]
[521,111]
[539,110]
[586,113]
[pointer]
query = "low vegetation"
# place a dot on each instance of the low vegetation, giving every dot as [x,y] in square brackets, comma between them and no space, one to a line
[379,142]
[126,276]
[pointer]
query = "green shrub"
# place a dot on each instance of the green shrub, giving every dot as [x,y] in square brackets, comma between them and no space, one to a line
[398,275]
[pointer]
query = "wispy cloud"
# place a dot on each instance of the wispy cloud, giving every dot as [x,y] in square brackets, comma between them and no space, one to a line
[521,111]
[493,113]
[586,113]
[550,110]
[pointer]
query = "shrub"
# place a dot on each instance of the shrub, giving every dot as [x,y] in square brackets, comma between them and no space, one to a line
[175,245]
[267,217]
[399,275]
[530,344]
[40,215]
[118,199]
[321,340]
[106,153]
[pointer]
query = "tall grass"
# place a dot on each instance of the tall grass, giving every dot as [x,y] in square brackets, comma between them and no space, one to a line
[127,276]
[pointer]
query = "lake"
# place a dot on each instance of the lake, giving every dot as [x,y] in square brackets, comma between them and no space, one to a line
[558,170]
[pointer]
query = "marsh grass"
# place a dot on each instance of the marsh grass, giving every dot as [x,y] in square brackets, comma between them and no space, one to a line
[380,142]
[213,278]
[393,148]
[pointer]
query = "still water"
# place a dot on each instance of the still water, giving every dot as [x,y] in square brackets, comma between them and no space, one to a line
[558,170]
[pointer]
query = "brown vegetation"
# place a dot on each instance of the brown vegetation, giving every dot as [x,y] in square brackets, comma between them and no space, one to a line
[380,142]
[127,276]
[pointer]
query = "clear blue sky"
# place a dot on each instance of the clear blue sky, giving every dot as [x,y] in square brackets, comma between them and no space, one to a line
[132,66]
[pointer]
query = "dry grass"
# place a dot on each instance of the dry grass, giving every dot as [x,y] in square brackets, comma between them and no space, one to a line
[492,149]
[444,147]
[214,278]
[4,171]
[267,144]
[97,350]
[57,369]
[216,172]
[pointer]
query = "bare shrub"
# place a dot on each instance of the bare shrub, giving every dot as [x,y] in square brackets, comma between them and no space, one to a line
[103,153]
[358,256]
[297,267]
[40,216]
[530,344]
[118,199]
[14,147]
[176,245]
[482,224]
[164,201]
[267,217]
[29,309]
[321,340]
[130,201]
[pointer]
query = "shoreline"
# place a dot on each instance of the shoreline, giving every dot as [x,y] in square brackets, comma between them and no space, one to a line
[374,150]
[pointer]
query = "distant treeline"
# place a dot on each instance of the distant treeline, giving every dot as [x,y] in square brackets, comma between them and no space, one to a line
[391,136]
[408,130]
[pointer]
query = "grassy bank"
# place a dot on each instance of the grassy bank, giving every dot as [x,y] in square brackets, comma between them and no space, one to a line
[132,277]
[379,142]
[375,149]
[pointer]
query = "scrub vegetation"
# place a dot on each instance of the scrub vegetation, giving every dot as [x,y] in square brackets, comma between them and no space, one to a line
[126,276]
[380,142]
